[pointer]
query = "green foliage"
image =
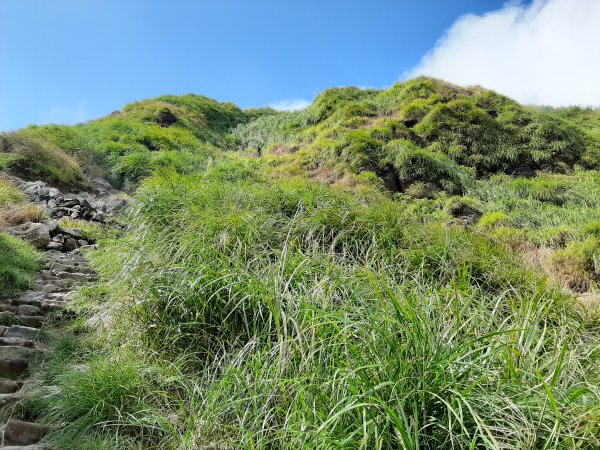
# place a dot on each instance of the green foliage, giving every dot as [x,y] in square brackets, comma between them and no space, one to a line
[579,263]
[300,316]
[413,163]
[252,307]
[9,194]
[126,146]
[18,261]
[36,157]
[478,130]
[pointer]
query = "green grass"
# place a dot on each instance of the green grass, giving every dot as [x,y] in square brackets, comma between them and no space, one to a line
[305,279]
[464,133]
[258,314]
[9,194]
[18,262]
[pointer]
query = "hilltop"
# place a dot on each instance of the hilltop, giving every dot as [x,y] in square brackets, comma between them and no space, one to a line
[422,130]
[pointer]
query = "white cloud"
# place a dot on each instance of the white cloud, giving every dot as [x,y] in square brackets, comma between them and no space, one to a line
[547,52]
[65,115]
[290,105]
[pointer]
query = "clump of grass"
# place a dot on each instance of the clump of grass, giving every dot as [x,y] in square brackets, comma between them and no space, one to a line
[89,229]
[22,213]
[39,158]
[579,263]
[18,261]
[9,194]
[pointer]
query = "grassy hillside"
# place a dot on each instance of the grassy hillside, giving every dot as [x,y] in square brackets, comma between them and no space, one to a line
[126,145]
[422,130]
[384,269]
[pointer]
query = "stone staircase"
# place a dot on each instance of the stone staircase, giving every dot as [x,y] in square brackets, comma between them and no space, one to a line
[23,317]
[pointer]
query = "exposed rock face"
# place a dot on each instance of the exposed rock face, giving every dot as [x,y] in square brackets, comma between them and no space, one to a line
[24,433]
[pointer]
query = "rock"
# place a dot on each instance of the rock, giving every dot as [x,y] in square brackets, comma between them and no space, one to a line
[9,352]
[50,305]
[4,308]
[73,232]
[53,192]
[9,386]
[28,310]
[52,227]
[16,341]
[22,332]
[36,233]
[13,368]
[29,298]
[75,276]
[166,118]
[69,245]
[58,238]
[24,447]
[24,433]
[115,205]
[54,246]
[32,321]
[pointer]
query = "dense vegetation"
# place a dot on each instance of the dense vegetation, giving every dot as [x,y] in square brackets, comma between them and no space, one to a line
[385,269]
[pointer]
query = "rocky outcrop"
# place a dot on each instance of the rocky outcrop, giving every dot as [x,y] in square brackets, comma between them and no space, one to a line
[89,206]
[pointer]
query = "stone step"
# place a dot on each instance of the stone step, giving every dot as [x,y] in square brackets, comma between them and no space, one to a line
[24,433]
[51,285]
[7,308]
[53,305]
[13,368]
[75,276]
[28,310]
[20,331]
[9,386]
[14,351]
[10,341]
[32,321]
[24,447]
[28,301]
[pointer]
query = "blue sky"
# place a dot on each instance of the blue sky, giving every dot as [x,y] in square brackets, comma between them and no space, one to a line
[68,61]
[74,60]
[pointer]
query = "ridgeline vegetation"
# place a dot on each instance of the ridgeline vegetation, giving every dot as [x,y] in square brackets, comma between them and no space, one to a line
[412,268]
